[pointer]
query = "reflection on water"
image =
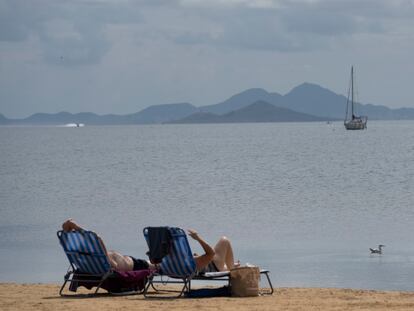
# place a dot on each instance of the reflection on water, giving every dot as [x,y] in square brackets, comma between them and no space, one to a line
[304,200]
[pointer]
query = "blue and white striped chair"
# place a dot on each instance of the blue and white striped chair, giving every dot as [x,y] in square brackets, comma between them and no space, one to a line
[86,256]
[179,264]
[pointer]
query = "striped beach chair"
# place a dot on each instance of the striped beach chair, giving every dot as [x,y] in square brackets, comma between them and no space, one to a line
[176,267]
[179,267]
[87,258]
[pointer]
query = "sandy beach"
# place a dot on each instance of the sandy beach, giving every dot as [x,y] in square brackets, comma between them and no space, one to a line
[46,297]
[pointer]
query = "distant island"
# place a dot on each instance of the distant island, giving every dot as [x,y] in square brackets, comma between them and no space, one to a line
[259,111]
[304,103]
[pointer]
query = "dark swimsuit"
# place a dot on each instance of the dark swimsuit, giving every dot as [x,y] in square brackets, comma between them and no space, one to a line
[211,267]
[139,264]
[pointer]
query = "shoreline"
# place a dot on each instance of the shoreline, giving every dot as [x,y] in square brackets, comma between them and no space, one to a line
[36,296]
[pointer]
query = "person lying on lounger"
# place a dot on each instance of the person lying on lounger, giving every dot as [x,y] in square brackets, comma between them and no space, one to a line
[118,261]
[213,260]
[220,258]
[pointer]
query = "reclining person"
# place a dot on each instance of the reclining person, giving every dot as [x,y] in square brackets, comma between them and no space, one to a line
[220,258]
[119,262]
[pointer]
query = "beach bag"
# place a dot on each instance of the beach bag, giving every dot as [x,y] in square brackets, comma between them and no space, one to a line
[244,281]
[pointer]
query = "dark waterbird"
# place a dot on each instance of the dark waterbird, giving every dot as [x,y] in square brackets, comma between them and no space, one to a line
[377,250]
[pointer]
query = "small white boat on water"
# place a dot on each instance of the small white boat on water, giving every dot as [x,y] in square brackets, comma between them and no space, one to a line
[74,125]
[352,121]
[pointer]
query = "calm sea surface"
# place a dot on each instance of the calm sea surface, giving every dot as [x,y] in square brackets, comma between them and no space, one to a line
[305,200]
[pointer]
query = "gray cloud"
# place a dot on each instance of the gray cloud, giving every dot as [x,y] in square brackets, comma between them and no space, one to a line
[18,19]
[242,28]
[69,32]
[118,56]
[283,26]
[332,18]
[85,44]
[273,25]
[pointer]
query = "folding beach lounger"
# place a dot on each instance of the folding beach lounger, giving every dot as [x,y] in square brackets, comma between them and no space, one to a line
[90,267]
[179,266]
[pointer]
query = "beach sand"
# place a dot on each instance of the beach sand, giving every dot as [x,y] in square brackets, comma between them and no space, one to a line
[46,297]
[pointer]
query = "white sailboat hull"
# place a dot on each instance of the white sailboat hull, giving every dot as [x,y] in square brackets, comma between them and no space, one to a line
[356,124]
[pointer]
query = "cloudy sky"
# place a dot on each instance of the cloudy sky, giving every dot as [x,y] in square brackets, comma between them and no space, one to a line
[120,56]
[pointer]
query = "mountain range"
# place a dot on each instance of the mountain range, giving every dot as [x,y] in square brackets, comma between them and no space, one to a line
[259,111]
[304,103]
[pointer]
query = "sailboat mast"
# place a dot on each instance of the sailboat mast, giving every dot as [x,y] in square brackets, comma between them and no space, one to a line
[352,90]
[355,122]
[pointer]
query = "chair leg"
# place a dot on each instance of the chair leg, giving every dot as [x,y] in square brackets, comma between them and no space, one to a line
[148,286]
[101,282]
[67,278]
[186,287]
[153,286]
[63,286]
[270,284]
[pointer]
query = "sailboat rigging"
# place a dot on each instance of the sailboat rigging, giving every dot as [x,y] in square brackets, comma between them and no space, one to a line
[352,121]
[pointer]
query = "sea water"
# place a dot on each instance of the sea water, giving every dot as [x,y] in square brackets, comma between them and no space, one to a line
[304,200]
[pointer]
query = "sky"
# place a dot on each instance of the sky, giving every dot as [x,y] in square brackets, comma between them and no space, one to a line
[120,56]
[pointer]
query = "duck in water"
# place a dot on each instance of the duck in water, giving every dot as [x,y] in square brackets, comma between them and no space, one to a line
[377,250]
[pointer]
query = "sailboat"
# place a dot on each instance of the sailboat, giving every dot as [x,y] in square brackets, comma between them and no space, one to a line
[352,121]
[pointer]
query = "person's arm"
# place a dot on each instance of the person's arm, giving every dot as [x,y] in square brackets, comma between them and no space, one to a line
[203,260]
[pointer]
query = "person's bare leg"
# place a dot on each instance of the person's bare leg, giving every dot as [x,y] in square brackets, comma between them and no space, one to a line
[223,258]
